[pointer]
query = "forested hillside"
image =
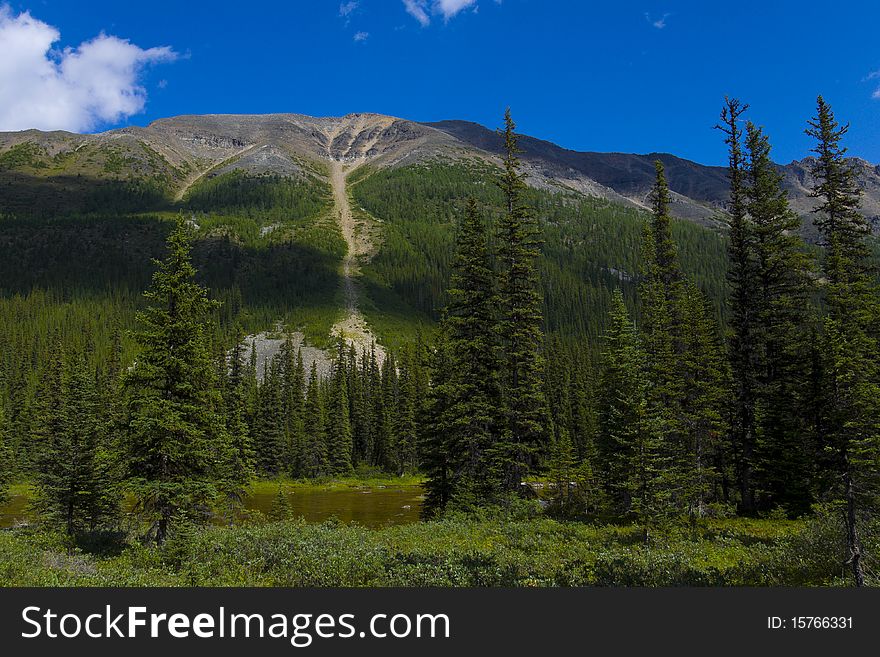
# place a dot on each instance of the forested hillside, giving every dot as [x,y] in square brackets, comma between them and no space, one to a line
[590,246]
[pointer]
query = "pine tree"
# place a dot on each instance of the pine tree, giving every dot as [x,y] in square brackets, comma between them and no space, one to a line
[292,396]
[295,425]
[361,408]
[176,438]
[240,464]
[465,417]
[314,433]
[524,434]
[270,435]
[561,470]
[281,509]
[385,403]
[438,458]
[704,404]
[741,282]
[74,488]
[583,409]
[850,427]
[339,438]
[661,291]
[780,334]
[405,415]
[48,404]
[628,443]
[6,464]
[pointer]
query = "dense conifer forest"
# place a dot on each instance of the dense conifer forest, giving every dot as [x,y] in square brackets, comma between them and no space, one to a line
[647,379]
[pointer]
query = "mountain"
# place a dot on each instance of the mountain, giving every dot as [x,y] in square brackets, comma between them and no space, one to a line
[699,191]
[340,225]
[173,154]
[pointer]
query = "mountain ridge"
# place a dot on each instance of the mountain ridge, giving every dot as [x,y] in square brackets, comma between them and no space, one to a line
[176,151]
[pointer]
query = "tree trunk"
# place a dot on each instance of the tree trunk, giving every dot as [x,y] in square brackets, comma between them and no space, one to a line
[852,536]
[162,530]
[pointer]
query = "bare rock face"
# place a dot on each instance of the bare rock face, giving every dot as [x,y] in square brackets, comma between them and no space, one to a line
[267,346]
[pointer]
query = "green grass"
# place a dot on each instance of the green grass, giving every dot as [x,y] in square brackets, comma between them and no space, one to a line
[272,486]
[518,549]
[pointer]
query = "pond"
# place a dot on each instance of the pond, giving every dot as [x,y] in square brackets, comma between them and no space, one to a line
[371,506]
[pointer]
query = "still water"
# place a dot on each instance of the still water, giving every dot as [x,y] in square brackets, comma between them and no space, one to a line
[371,507]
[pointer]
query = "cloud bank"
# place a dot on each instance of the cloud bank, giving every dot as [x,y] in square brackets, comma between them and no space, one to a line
[76,89]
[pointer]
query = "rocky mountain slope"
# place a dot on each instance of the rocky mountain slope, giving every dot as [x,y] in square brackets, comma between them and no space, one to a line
[699,191]
[175,153]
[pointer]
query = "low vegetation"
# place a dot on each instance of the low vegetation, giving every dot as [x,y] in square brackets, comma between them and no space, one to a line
[519,548]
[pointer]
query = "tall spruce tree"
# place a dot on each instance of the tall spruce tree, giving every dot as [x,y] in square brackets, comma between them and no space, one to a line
[339,438]
[405,414]
[438,457]
[850,425]
[385,403]
[240,466]
[629,443]
[524,434]
[6,463]
[742,290]
[314,456]
[362,408]
[704,401]
[270,430]
[48,406]
[466,398]
[661,291]
[176,438]
[780,335]
[292,397]
[74,489]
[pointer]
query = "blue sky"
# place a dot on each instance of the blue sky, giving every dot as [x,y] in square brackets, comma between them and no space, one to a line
[639,76]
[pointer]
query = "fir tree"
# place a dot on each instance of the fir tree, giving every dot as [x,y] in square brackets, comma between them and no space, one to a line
[628,441]
[780,334]
[270,435]
[383,415]
[704,403]
[176,438]
[661,292]
[74,488]
[292,396]
[6,463]
[281,509]
[849,432]
[741,282]
[240,465]
[339,438]
[48,405]
[405,414]
[469,425]
[314,433]
[561,470]
[361,395]
[438,457]
[523,435]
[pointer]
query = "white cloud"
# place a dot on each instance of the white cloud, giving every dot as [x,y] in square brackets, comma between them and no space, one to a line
[449,8]
[873,75]
[418,9]
[659,23]
[422,10]
[346,8]
[74,89]
[361,36]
